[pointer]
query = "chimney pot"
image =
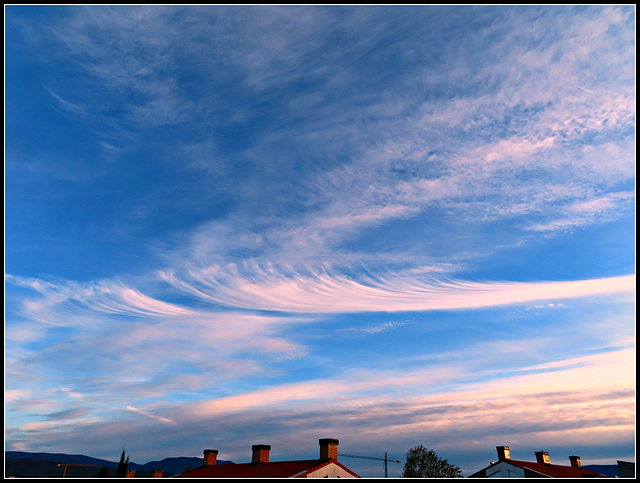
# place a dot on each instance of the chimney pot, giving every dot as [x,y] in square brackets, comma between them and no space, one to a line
[575,461]
[542,457]
[210,457]
[503,453]
[329,449]
[260,453]
[157,472]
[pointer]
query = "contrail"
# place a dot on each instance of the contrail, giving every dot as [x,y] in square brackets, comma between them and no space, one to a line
[151,416]
[586,90]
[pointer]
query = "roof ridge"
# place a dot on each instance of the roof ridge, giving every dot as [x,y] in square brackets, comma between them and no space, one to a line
[285,461]
[539,467]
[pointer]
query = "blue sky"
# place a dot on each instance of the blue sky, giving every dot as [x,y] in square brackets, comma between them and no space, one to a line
[388,225]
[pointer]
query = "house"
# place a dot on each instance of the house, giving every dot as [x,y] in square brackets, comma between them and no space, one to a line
[326,466]
[627,469]
[505,467]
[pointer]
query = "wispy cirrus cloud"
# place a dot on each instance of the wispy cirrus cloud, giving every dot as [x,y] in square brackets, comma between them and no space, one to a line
[267,289]
[285,180]
[587,212]
[521,125]
[93,298]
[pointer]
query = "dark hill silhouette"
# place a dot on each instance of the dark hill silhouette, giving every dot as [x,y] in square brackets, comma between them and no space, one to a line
[58,457]
[612,471]
[23,464]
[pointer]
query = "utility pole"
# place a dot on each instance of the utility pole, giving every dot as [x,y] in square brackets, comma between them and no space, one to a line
[385,459]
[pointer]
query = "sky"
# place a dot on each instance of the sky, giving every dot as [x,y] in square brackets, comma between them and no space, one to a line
[393,226]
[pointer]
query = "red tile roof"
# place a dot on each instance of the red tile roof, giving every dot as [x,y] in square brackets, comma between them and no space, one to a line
[557,471]
[275,469]
[550,470]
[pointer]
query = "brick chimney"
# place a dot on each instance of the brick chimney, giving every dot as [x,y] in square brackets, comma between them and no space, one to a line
[131,473]
[157,472]
[542,457]
[575,461]
[503,453]
[260,453]
[329,449]
[210,457]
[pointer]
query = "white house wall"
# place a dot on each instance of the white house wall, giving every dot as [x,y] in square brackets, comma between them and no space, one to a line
[330,471]
[505,470]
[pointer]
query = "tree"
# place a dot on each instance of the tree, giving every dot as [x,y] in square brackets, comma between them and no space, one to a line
[122,466]
[425,463]
[103,473]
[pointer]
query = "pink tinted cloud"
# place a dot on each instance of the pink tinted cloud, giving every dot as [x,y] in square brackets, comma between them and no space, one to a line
[327,293]
[563,382]
[58,302]
[561,401]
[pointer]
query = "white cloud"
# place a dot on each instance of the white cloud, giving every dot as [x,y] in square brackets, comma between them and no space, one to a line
[15,394]
[268,289]
[535,408]
[65,301]
[582,213]
[470,125]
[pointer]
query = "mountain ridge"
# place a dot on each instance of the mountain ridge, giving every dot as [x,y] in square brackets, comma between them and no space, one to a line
[43,464]
[46,464]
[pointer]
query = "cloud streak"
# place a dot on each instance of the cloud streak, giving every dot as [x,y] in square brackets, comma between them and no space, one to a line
[324,293]
[403,221]
[99,298]
[543,407]
[150,416]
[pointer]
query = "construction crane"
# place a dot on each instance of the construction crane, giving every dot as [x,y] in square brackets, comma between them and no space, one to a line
[385,459]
